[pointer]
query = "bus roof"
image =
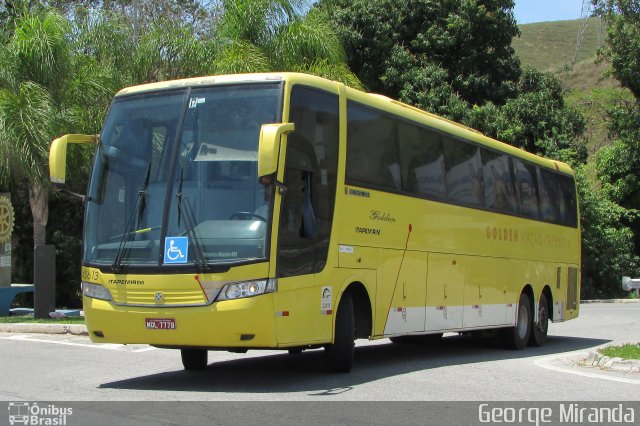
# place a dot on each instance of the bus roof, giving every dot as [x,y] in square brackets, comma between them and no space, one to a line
[374,100]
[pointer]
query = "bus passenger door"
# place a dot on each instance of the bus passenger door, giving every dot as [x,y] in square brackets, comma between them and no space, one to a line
[303,303]
[403,293]
[445,291]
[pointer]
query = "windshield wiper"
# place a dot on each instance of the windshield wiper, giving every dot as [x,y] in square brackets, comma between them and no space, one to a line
[184,209]
[129,232]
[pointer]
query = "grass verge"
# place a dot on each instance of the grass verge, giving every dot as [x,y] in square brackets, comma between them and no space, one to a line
[30,319]
[628,351]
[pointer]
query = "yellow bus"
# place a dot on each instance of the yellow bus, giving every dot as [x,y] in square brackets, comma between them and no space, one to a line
[287,211]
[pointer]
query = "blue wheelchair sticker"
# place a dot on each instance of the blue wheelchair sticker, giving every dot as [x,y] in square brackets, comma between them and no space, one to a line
[176,249]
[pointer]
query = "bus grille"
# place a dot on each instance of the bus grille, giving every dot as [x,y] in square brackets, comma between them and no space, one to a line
[152,298]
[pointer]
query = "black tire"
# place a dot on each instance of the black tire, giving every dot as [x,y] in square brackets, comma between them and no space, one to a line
[340,354]
[517,337]
[194,359]
[421,339]
[540,329]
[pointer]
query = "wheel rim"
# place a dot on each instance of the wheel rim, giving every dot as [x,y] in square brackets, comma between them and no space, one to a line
[523,320]
[543,320]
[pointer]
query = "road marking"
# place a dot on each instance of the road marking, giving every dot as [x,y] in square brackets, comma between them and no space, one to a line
[545,363]
[105,346]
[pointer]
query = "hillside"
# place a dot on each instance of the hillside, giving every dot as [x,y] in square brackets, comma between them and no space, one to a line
[551,46]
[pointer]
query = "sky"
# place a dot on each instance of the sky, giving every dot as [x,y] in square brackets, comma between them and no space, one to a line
[528,11]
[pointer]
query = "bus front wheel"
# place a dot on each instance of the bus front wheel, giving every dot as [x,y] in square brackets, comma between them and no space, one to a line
[194,359]
[340,353]
[518,337]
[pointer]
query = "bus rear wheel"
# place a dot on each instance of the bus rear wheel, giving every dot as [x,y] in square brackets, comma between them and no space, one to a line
[517,337]
[194,359]
[540,329]
[340,354]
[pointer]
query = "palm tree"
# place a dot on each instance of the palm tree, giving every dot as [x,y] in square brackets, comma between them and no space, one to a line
[54,80]
[276,35]
[35,66]
[163,50]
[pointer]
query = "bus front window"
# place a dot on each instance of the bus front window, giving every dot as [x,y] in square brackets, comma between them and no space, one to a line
[181,166]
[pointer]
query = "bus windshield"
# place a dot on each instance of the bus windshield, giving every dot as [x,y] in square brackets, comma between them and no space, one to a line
[175,178]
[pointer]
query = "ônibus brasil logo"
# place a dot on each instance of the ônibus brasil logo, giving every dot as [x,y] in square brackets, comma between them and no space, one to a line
[27,413]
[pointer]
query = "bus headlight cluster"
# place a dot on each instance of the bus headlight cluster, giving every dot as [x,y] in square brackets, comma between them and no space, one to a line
[96,291]
[239,290]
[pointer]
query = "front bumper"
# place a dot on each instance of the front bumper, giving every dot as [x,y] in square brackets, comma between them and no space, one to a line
[241,323]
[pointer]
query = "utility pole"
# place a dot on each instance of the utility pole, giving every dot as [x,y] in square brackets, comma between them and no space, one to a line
[583,23]
[135,21]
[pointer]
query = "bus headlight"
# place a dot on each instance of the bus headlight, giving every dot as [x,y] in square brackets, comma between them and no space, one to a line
[96,291]
[243,289]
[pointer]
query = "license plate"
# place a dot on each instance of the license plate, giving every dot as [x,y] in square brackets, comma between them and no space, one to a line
[161,323]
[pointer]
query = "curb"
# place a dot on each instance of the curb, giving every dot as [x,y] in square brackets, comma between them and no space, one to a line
[597,360]
[74,329]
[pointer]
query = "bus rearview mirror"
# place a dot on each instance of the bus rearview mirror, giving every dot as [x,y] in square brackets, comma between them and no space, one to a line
[269,146]
[58,155]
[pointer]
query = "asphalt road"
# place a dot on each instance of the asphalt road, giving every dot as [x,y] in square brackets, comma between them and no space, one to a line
[40,367]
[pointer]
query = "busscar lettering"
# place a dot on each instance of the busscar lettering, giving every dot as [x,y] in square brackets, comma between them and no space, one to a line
[357,192]
[370,231]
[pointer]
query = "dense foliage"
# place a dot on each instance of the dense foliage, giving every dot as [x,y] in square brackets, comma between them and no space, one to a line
[60,68]
[454,58]
[399,47]
[61,62]
[618,165]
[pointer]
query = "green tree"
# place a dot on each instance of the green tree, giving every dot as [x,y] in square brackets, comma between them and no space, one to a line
[608,248]
[622,47]
[537,120]
[398,46]
[441,55]
[35,67]
[46,89]
[454,58]
[101,55]
[618,165]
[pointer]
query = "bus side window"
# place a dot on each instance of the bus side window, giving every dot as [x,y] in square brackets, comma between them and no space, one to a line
[463,172]
[548,195]
[422,160]
[299,219]
[498,184]
[372,149]
[567,200]
[527,189]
